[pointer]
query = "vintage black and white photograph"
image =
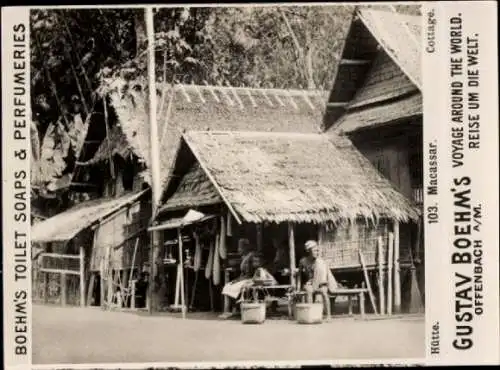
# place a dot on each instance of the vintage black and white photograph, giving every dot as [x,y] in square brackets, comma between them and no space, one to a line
[213,184]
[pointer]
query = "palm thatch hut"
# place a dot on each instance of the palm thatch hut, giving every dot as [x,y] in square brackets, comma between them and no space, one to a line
[286,186]
[105,232]
[376,101]
[121,160]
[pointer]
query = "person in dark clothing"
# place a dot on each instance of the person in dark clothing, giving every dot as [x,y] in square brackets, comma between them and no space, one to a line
[141,291]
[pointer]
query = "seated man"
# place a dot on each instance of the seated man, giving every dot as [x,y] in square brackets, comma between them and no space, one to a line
[249,264]
[316,276]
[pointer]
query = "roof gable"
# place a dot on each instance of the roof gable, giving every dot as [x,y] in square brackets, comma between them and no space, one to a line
[380,61]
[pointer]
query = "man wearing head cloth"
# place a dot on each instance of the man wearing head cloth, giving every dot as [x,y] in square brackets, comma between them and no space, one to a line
[316,276]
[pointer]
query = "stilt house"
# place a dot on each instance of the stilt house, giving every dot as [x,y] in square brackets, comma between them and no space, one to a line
[376,101]
[280,189]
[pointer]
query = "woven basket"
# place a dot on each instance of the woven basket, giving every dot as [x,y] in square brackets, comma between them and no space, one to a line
[253,312]
[309,313]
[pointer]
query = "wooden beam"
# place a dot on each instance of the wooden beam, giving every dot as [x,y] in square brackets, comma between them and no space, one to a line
[210,89]
[226,95]
[397,273]
[181,264]
[59,271]
[280,92]
[183,90]
[200,95]
[290,99]
[291,247]
[254,104]
[354,62]
[308,101]
[101,284]
[82,277]
[64,290]
[83,184]
[236,96]
[336,104]
[367,280]
[259,237]
[390,262]
[58,255]
[381,289]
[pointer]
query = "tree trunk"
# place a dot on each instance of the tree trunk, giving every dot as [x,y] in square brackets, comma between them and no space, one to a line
[140,32]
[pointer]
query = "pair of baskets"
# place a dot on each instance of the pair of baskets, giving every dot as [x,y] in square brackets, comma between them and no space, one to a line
[305,313]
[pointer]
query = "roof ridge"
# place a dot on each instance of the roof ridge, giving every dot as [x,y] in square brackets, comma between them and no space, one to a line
[254,133]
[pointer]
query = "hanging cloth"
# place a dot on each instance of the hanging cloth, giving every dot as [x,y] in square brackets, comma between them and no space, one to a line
[216,263]
[229,229]
[197,252]
[222,244]
[210,261]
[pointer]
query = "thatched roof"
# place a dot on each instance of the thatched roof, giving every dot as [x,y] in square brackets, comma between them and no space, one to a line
[116,143]
[206,108]
[278,177]
[399,35]
[66,225]
[380,63]
[379,115]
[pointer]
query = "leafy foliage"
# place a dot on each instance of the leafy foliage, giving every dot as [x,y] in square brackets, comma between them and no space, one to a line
[74,50]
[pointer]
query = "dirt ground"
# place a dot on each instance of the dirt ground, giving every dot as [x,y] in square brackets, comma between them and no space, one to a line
[91,335]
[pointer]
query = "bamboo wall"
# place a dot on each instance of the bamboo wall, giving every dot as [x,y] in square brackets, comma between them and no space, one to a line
[340,244]
[115,239]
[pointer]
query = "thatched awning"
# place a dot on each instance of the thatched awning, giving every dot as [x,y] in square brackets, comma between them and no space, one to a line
[66,225]
[279,177]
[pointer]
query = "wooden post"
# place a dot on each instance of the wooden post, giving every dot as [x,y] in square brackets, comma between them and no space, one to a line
[181,264]
[45,287]
[153,138]
[153,131]
[397,271]
[82,277]
[132,295]
[291,245]
[90,290]
[390,261]
[259,238]
[381,290]
[227,302]
[101,285]
[64,292]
